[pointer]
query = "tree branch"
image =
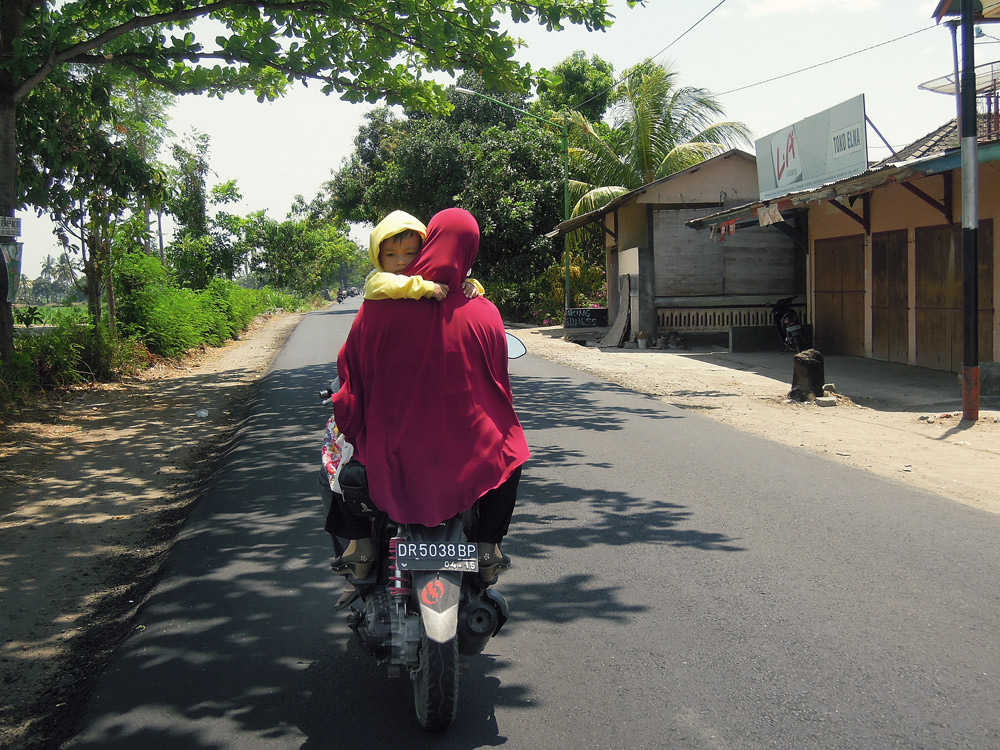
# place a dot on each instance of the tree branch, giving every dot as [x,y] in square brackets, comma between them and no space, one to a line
[187,14]
[128,61]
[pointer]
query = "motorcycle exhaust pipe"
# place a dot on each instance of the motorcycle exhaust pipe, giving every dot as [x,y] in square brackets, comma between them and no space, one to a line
[479,620]
[476,623]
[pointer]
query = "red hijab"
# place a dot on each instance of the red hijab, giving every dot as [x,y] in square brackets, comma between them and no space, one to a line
[425,397]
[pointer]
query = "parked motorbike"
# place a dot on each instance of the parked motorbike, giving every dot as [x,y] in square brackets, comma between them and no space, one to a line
[786,319]
[424,605]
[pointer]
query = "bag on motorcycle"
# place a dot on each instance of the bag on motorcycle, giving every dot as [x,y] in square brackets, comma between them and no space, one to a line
[353,481]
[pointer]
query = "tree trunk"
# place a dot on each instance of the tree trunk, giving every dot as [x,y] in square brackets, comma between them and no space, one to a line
[92,274]
[808,374]
[109,290]
[159,231]
[8,200]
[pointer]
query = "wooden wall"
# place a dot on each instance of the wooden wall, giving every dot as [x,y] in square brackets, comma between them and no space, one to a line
[911,274]
[691,264]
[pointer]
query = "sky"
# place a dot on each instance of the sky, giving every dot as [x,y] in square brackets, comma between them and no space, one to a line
[740,50]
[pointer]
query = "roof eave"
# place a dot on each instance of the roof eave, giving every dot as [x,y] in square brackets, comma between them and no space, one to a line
[583,219]
[883,175]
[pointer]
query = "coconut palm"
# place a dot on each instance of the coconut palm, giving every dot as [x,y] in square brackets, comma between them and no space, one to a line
[48,270]
[657,128]
[64,271]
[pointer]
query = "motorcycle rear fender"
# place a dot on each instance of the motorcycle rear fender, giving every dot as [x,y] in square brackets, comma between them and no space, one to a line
[438,592]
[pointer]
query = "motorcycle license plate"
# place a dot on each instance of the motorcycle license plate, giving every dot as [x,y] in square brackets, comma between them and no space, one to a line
[460,556]
[793,329]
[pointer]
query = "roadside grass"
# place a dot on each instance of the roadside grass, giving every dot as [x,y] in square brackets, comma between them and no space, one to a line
[61,346]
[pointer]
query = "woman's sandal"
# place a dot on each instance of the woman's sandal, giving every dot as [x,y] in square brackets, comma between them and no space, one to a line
[491,561]
[347,596]
[358,553]
[491,556]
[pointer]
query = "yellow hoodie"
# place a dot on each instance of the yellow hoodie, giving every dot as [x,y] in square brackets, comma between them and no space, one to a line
[383,285]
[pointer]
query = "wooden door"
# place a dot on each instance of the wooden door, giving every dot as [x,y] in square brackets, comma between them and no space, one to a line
[839,317]
[890,321]
[939,298]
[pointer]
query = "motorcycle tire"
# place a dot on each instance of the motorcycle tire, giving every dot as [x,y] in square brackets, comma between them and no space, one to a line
[435,684]
[797,342]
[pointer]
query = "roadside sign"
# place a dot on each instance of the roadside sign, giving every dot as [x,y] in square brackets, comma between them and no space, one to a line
[10,226]
[11,252]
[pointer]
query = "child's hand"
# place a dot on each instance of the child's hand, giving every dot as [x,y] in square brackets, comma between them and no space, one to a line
[440,291]
[470,289]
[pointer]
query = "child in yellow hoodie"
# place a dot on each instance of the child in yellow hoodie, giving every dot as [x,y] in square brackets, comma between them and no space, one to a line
[394,243]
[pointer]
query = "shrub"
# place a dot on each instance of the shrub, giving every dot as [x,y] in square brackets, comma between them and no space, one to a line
[166,319]
[16,380]
[68,354]
[154,317]
[104,358]
[27,316]
[272,299]
[517,302]
[587,287]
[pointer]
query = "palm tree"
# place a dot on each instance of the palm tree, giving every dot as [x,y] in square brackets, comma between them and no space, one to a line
[657,128]
[48,268]
[64,271]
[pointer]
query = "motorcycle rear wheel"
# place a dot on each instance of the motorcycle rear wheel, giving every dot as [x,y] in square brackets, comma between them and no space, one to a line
[435,684]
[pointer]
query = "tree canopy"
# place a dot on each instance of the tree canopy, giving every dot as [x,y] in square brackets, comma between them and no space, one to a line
[361,50]
[583,85]
[501,165]
[658,127]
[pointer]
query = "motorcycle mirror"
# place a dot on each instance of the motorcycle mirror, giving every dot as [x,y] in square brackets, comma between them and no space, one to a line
[515,348]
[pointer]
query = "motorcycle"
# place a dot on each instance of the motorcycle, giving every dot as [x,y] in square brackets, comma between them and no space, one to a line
[424,604]
[786,319]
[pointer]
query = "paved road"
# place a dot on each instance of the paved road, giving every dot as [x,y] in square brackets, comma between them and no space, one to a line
[677,584]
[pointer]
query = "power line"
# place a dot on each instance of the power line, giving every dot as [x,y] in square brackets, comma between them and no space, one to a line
[686,32]
[833,60]
[690,29]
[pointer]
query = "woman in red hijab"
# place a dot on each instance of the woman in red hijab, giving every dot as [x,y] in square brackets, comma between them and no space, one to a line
[425,397]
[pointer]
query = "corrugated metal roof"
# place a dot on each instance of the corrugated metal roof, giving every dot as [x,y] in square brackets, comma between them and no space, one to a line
[936,142]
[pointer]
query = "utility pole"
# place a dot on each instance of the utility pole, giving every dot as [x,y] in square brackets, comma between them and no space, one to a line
[969,123]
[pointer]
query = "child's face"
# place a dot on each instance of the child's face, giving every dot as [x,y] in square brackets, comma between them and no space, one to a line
[395,254]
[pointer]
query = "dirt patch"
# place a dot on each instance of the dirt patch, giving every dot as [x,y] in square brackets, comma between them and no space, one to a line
[94,488]
[92,492]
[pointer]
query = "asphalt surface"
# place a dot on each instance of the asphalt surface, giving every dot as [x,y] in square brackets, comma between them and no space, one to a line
[676,584]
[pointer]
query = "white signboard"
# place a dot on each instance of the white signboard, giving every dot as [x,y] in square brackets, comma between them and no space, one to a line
[10,226]
[820,149]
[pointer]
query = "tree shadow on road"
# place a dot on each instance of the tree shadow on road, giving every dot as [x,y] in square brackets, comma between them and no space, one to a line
[241,636]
